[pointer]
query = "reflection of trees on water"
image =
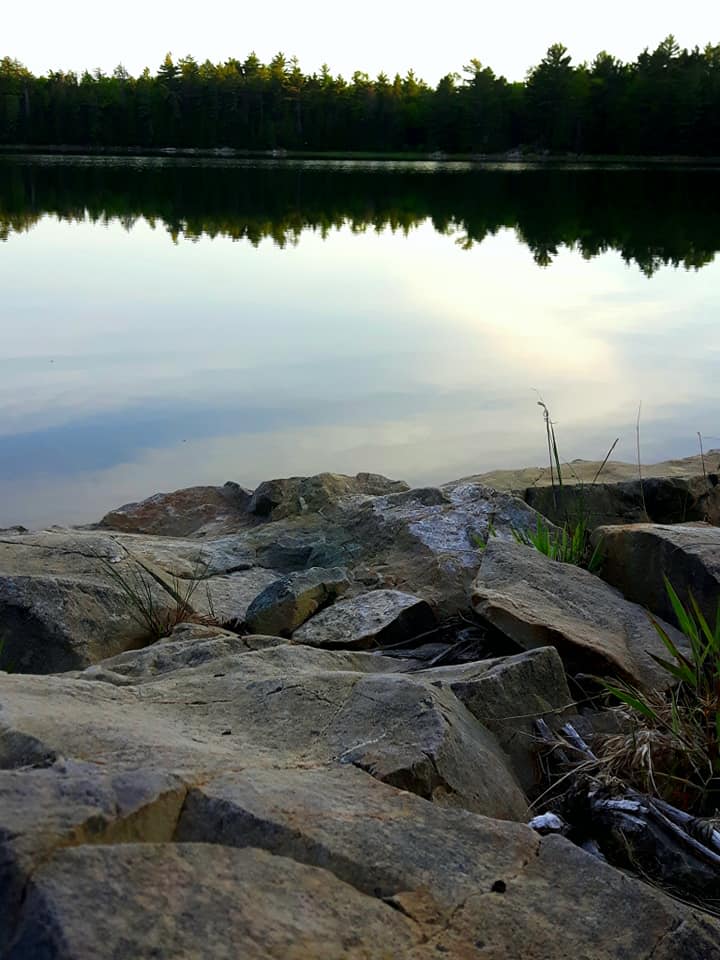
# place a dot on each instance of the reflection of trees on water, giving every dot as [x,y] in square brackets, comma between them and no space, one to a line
[651,217]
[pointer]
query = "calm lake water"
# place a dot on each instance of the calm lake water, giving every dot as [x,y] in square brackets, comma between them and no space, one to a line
[176,322]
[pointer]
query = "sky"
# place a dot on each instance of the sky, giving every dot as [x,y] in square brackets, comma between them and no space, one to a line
[391,35]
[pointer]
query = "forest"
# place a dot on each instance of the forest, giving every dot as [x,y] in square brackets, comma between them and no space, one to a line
[665,103]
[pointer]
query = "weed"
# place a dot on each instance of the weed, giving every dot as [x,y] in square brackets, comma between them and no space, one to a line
[564,545]
[139,588]
[673,744]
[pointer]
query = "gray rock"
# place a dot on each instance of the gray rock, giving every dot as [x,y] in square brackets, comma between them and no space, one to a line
[470,880]
[375,619]
[286,604]
[165,901]
[540,602]
[241,803]
[507,695]
[275,499]
[636,559]
[198,706]
[660,499]
[428,541]
[226,598]
[74,804]
[60,608]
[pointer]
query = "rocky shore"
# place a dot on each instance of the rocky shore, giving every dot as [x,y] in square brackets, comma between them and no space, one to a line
[303,721]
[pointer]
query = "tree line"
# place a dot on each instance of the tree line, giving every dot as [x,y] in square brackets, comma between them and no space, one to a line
[592,211]
[665,102]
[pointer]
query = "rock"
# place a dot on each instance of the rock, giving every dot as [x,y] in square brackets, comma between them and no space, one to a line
[226,598]
[637,557]
[585,471]
[189,647]
[661,499]
[293,704]
[478,887]
[232,802]
[375,619]
[286,604]
[421,739]
[507,695]
[60,607]
[276,499]
[424,542]
[196,511]
[148,901]
[540,602]
[74,804]
[674,491]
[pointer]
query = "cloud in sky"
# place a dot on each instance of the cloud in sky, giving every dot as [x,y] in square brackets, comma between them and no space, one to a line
[375,35]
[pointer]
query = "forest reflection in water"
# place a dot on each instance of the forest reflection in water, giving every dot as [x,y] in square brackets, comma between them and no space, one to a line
[651,216]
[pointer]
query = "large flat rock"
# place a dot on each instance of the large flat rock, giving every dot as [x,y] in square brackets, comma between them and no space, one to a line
[60,607]
[539,602]
[329,863]
[673,491]
[197,900]
[199,706]
[637,557]
[216,795]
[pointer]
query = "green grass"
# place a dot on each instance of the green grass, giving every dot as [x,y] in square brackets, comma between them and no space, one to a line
[673,746]
[566,545]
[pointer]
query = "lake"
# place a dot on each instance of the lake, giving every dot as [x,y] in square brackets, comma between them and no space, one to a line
[171,322]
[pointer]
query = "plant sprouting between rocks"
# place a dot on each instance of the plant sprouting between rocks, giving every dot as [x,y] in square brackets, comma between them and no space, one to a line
[672,745]
[139,587]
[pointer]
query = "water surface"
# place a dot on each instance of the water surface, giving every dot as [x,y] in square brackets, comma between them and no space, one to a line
[173,322]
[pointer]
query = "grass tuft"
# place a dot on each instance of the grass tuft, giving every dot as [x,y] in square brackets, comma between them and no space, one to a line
[157,618]
[672,744]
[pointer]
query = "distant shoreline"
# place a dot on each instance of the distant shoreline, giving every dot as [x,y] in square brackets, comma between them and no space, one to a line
[510,158]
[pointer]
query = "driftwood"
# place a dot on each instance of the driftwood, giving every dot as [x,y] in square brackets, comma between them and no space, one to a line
[630,829]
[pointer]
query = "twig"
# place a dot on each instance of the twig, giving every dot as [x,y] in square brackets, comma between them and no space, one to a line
[607,457]
[637,443]
[702,458]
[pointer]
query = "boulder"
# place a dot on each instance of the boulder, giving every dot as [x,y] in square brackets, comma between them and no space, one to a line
[63,604]
[587,471]
[507,695]
[208,701]
[194,511]
[477,887]
[637,557]
[225,598]
[164,901]
[225,796]
[429,541]
[539,602]
[426,542]
[375,619]
[660,499]
[674,491]
[276,499]
[286,604]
